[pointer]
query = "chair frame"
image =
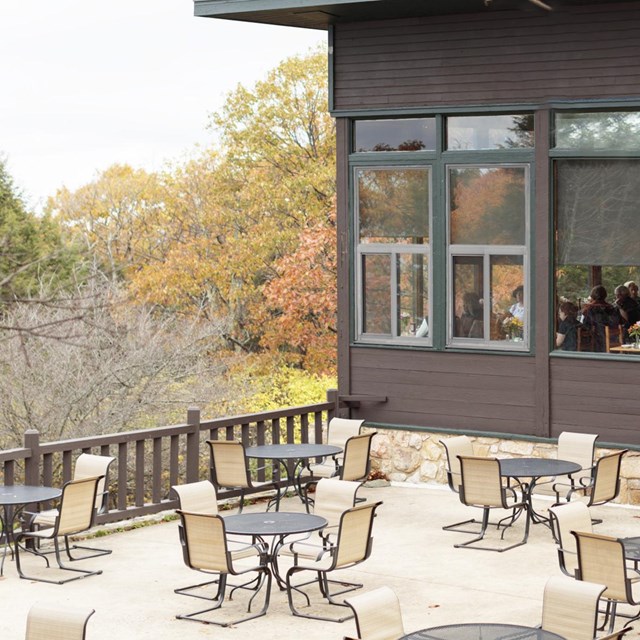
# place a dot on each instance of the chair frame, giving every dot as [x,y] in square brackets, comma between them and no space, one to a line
[223,571]
[623,589]
[54,533]
[337,562]
[54,623]
[246,482]
[578,518]
[378,609]
[498,500]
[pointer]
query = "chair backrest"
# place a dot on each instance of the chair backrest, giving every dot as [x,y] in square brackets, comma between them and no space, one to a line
[334,497]
[77,506]
[565,518]
[378,615]
[606,478]
[481,485]
[341,429]
[355,463]
[57,623]
[205,541]
[197,497]
[354,535]
[89,466]
[579,448]
[601,560]
[570,608]
[229,464]
[457,446]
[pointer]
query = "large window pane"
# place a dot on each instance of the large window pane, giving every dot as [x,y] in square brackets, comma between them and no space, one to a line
[508,312]
[376,271]
[412,294]
[489,132]
[488,205]
[603,130]
[393,205]
[411,134]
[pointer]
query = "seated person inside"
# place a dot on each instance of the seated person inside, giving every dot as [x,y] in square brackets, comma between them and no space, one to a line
[598,314]
[567,334]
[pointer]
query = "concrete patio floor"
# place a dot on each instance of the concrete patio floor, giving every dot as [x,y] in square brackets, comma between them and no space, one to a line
[436,583]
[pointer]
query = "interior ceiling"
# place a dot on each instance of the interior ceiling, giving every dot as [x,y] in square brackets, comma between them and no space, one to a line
[306,14]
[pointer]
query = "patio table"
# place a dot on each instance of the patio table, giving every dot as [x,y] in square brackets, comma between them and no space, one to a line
[276,525]
[13,499]
[532,469]
[482,631]
[299,453]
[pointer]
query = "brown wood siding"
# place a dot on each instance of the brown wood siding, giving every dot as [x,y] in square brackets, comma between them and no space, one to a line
[489,58]
[596,396]
[446,390]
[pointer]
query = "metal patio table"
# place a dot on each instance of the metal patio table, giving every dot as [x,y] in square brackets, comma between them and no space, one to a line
[13,499]
[298,453]
[482,631]
[276,525]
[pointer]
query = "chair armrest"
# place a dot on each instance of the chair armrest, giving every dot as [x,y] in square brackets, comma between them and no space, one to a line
[616,635]
[309,550]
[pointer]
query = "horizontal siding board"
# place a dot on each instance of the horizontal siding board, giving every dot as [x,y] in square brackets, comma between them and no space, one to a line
[579,52]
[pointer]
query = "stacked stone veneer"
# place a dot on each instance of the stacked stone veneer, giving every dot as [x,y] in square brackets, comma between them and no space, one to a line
[406,456]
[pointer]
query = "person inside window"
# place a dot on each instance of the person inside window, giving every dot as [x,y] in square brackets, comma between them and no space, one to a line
[471,323]
[633,290]
[598,314]
[567,335]
[627,308]
[516,310]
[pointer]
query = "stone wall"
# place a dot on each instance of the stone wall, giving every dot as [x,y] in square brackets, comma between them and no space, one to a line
[409,456]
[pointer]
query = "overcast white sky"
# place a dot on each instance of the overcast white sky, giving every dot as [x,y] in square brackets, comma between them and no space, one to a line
[86,83]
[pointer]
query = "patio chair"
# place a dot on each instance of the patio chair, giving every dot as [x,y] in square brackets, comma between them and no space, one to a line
[454,447]
[353,546]
[75,515]
[565,518]
[338,432]
[206,550]
[601,559]
[378,615]
[87,466]
[604,483]
[570,609]
[56,623]
[573,447]
[482,487]
[230,470]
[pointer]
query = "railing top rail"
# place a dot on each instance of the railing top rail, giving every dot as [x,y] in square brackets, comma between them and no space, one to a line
[19,453]
[229,421]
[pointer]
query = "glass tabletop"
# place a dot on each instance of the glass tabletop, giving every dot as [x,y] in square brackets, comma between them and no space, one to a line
[14,494]
[292,451]
[278,523]
[482,631]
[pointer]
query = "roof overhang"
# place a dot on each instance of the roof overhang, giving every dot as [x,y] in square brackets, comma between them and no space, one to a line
[312,14]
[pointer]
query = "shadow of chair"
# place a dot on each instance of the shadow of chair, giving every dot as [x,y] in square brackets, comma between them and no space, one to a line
[454,447]
[87,466]
[570,609]
[230,470]
[565,518]
[604,483]
[601,560]
[482,487]
[378,615]
[57,623]
[353,546]
[205,549]
[75,515]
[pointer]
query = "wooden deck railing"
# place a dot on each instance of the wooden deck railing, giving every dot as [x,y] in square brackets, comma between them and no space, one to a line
[148,462]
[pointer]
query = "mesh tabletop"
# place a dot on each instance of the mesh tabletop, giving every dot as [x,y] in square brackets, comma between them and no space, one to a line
[15,494]
[278,523]
[482,631]
[292,451]
[536,467]
[631,548]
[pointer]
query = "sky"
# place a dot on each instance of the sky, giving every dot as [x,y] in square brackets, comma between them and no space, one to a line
[86,84]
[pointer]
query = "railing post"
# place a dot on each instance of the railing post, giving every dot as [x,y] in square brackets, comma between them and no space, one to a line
[332,396]
[32,463]
[193,445]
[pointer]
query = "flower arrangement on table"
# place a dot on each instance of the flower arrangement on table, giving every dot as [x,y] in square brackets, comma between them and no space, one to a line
[514,327]
[634,332]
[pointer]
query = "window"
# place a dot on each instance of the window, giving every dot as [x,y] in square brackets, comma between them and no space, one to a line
[440,231]
[597,239]
[393,251]
[487,249]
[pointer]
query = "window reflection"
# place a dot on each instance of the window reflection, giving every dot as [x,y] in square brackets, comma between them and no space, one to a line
[376,271]
[598,130]
[489,132]
[411,134]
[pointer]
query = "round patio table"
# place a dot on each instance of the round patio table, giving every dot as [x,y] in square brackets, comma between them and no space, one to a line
[482,631]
